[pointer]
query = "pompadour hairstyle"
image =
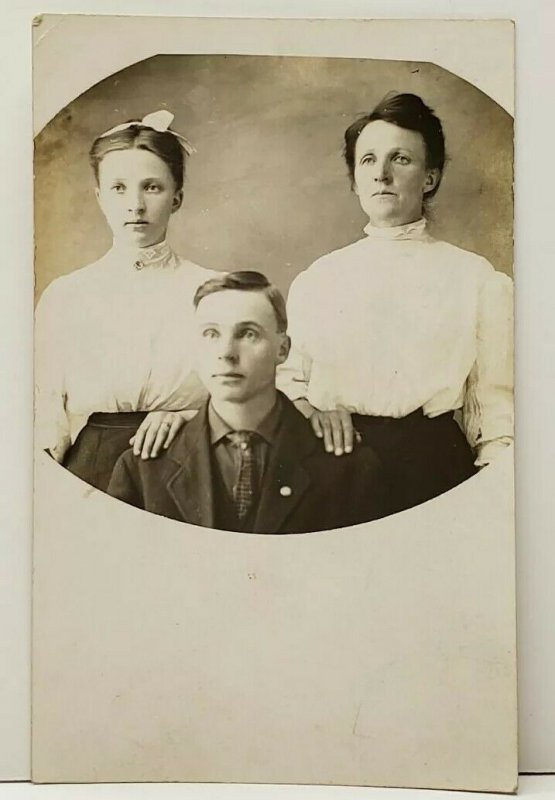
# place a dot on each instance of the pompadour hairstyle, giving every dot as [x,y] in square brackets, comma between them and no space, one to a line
[162,143]
[406,111]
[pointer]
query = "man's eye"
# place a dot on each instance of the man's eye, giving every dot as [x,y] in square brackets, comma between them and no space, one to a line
[210,333]
[250,334]
[152,187]
[118,187]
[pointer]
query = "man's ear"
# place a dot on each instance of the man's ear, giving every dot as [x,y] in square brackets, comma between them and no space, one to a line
[177,201]
[432,180]
[284,348]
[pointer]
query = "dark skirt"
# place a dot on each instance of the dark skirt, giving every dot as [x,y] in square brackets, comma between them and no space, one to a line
[100,443]
[423,456]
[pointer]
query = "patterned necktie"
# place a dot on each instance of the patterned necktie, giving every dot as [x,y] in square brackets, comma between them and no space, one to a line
[245,477]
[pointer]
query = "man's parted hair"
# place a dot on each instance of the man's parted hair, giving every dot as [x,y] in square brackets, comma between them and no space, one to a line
[246,281]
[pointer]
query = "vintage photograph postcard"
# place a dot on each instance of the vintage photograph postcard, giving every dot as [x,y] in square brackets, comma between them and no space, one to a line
[274,507]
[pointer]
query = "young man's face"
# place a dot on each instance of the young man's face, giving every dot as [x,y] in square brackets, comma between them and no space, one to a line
[239,346]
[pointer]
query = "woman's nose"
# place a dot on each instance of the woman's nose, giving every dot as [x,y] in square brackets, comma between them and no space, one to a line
[136,203]
[382,173]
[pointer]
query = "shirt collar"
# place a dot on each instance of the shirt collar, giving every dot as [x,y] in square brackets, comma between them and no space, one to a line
[412,230]
[156,256]
[267,429]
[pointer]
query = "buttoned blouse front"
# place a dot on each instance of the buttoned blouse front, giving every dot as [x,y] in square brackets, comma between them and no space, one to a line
[115,336]
[399,321]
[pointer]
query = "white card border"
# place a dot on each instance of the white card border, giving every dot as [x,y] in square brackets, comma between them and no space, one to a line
[536,366]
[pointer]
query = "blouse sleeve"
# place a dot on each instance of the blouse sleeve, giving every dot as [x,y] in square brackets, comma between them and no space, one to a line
[293,376]
[52,430]
[488,406]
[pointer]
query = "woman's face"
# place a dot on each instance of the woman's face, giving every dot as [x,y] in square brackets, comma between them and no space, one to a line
[137,194]
[391,176]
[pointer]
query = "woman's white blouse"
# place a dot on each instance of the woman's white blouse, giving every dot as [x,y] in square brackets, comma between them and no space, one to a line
[115,336]
[399,321]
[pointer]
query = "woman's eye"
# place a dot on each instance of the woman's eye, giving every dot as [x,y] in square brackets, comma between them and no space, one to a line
[152,187]
[400,159]
[119,188]
[210,333]
[368,160]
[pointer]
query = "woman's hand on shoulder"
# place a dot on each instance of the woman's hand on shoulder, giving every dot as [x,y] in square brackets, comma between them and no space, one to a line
[157,431]
[336,430]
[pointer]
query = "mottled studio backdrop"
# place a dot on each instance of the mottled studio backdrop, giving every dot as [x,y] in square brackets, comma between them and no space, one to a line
[267,188]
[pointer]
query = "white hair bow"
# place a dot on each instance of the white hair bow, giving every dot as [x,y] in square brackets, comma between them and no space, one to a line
[160,121]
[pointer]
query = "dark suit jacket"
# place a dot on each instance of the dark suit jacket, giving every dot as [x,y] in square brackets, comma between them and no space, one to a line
[303,489]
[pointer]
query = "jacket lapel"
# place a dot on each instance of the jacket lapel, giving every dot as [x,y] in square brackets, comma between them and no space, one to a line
[285,481]
[190,486]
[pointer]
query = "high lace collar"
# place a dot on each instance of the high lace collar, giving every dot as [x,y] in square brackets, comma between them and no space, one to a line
[412,230]
[156,256]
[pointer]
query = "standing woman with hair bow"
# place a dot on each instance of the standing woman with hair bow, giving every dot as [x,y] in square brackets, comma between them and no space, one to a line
[113,361]
[395,332]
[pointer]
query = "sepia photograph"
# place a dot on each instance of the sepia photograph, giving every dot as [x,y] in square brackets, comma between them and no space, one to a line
[274,295]
[394,348]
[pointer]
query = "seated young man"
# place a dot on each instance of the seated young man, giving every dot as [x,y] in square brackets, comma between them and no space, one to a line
[249,461]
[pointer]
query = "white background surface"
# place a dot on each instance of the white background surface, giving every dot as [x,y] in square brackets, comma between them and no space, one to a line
[535,262]
[540,788]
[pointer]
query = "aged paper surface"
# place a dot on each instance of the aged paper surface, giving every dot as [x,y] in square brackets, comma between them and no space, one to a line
[377,655]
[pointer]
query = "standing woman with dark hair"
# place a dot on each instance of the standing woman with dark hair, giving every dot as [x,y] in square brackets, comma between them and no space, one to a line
[113,361]
[394,333]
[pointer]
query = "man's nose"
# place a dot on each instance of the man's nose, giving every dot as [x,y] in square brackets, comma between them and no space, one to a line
[228,348]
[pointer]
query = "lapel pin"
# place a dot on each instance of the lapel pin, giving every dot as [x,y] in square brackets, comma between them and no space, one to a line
[286,491]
